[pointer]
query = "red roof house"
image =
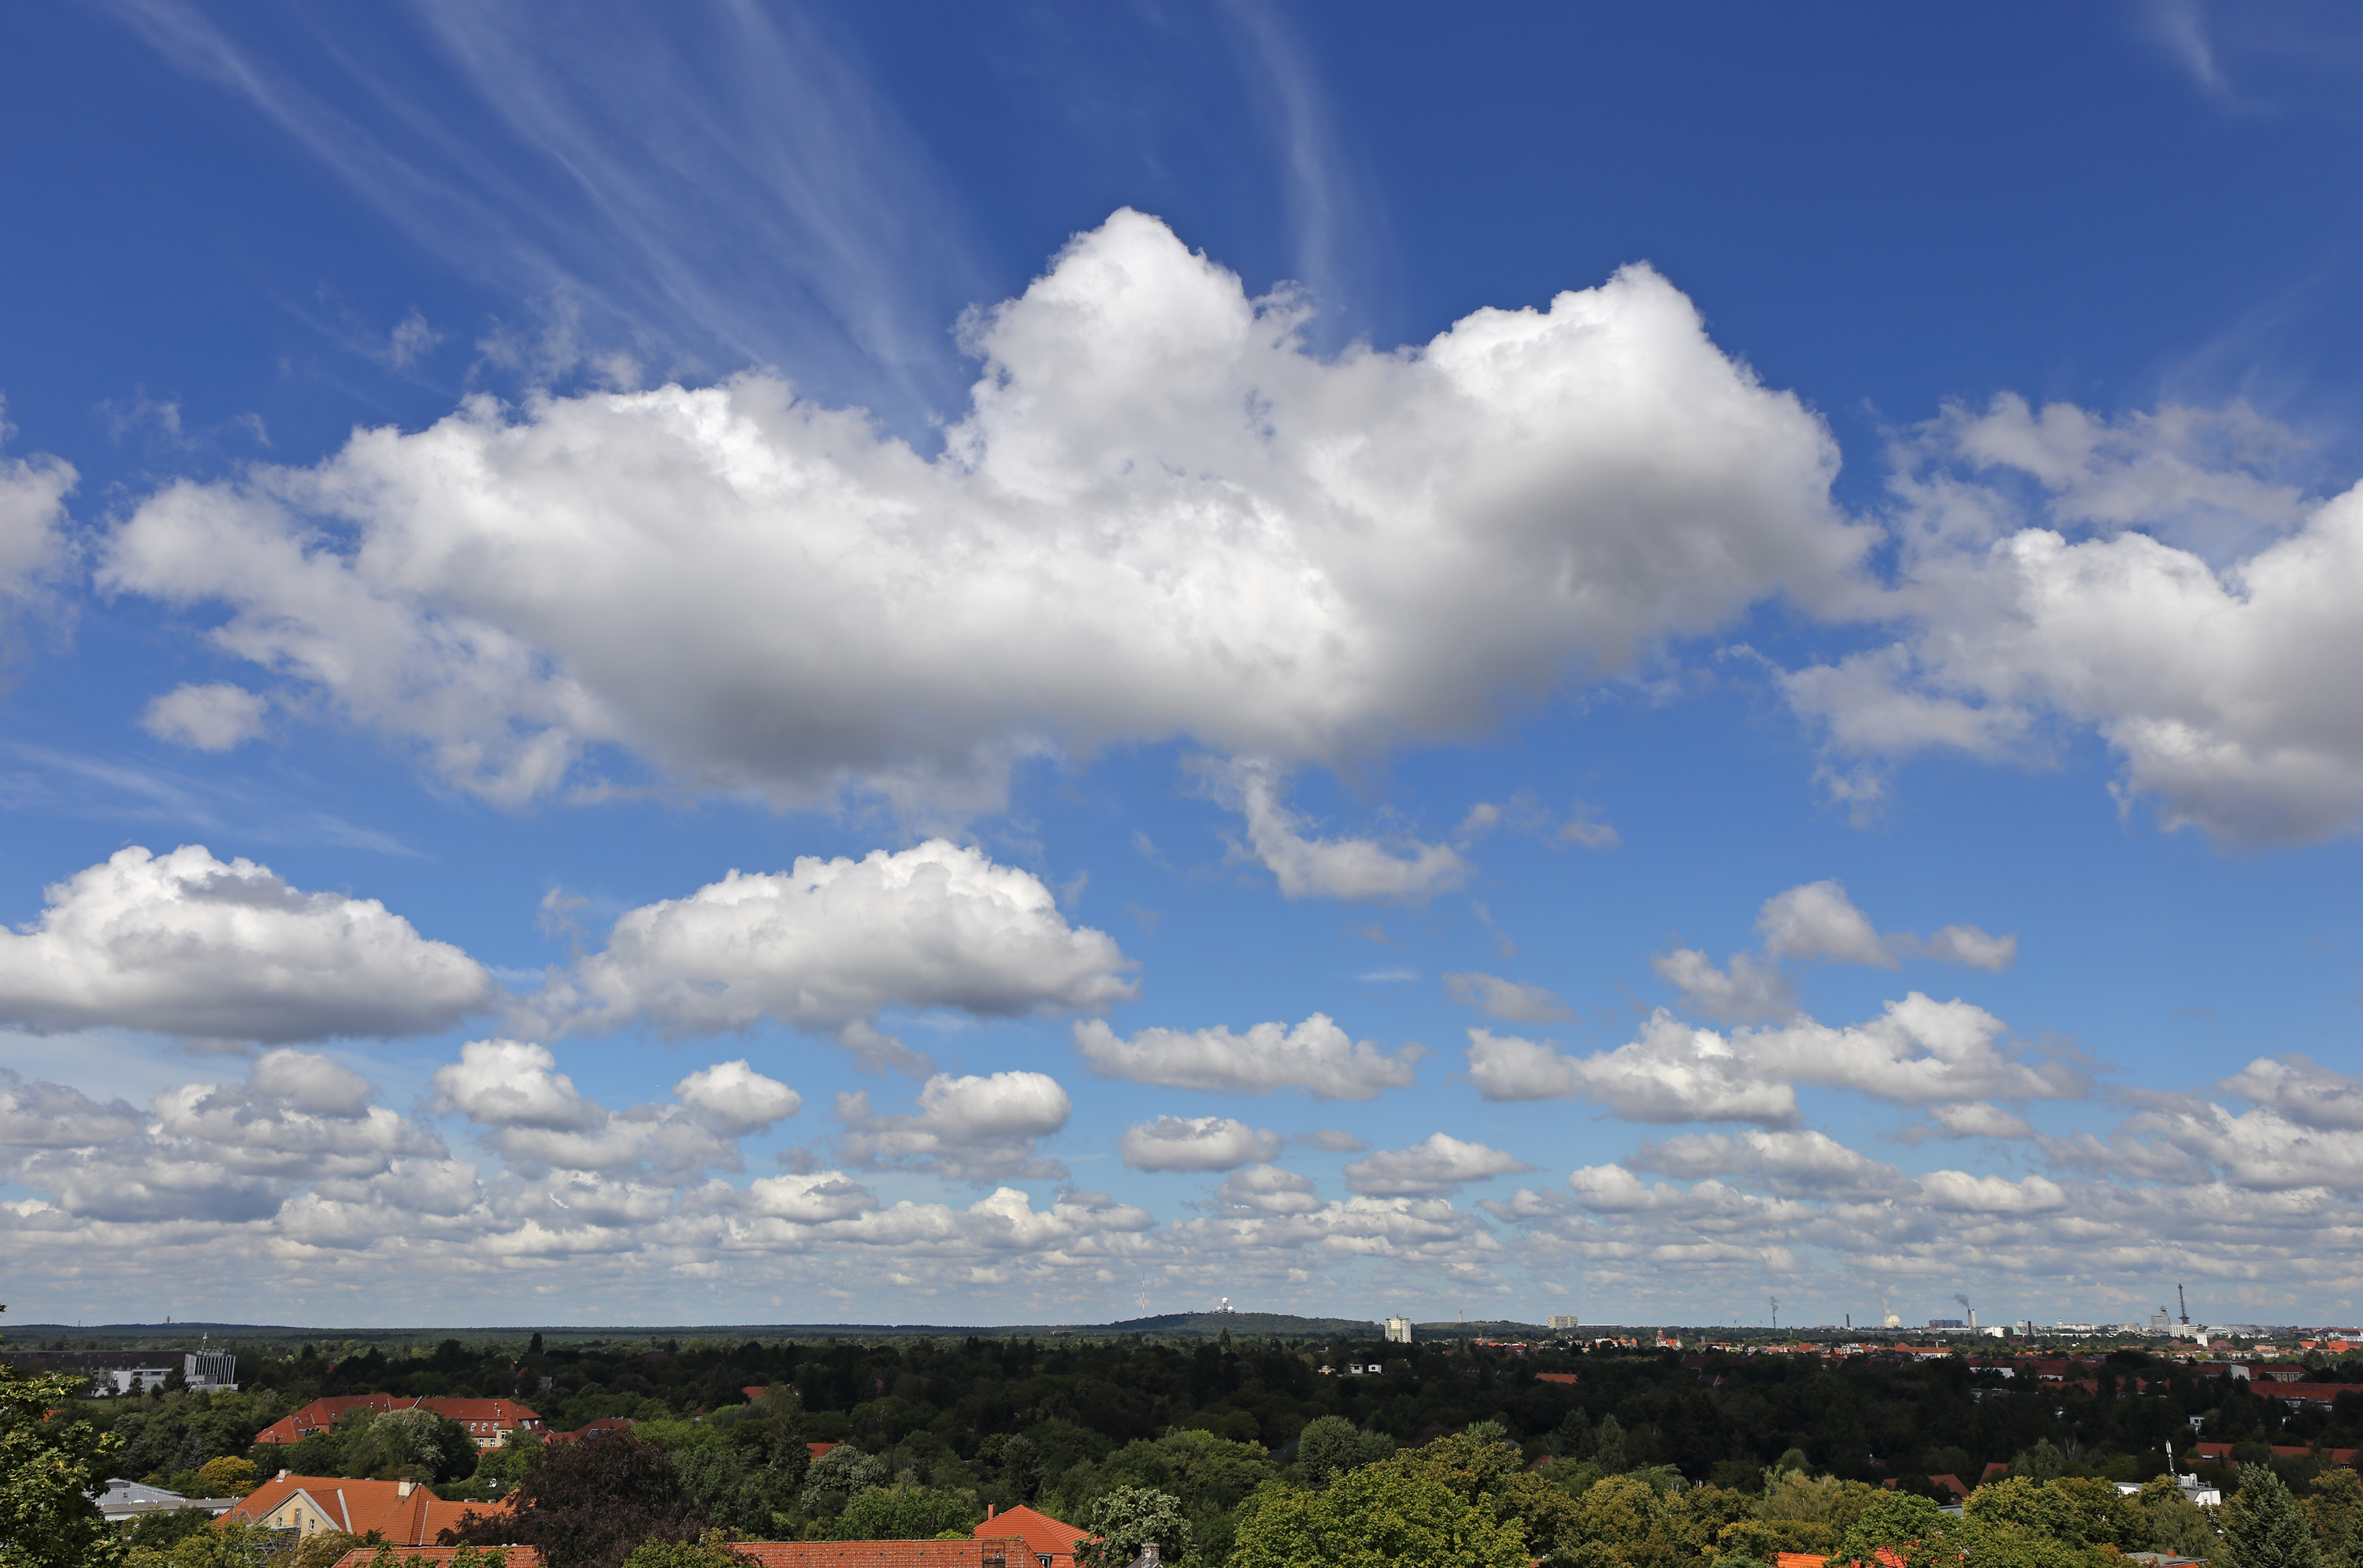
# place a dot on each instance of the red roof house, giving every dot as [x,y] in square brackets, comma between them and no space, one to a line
[366,1556]
[405,1512]
[486,1420]
[1051,1541]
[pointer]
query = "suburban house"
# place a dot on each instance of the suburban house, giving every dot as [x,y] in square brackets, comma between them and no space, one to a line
[130,1499]
[1050,1542]
[512,1556]
[488,1421]
[405,1512]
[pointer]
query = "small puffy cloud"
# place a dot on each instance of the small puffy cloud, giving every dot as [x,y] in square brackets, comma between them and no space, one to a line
[513,1082]
[830,942]
[1439,1166]
[1196,1143]
[312,1083]
[205,718]
[1164,513]
[966,1129]
[183,944]
[1330,1140]
[2305,1093]
[810,1200]
[1978,1119]
[1334,867]
[2262,1149]
[1510,1000]
[1960,1191]
[1315,1055]
[1743,992]
[735,1100]
[1268,1189]
[1968,945]
[1818,920]
[33,493]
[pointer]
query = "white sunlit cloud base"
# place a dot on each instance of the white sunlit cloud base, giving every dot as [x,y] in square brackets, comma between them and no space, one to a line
[1513,823]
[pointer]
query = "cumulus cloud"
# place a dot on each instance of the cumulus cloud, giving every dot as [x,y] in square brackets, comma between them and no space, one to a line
[2307,1095]
[830,942]
[33,491]
[36,1115]
[1990,1195]
[981,1128]
[1976,1118]
[1919,1052]
[1510,1000]
[1439,1166]
[2164,590]
[1315,1055]
[206,718]
[735,1100]
[1196,1143]
[1790,1164]
[1741,992]
[1163,514]
[1334,867]
[183,944]
[1268,1189]
[540,1121]
[1818,920]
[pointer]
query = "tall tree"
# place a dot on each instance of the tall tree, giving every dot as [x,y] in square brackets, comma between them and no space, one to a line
[2263,1527]
[588,1504]
[49,1467]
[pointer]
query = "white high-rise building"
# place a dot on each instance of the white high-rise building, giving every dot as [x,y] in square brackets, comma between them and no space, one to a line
[1399,1330]
[1560,1322]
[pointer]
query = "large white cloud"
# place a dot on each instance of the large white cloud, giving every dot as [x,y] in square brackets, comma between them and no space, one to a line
[1305,867]
[183,944]
[1919,1052]
[539,1120]
[1315,1055]
[830,943]
[1162,515]
[2164,590]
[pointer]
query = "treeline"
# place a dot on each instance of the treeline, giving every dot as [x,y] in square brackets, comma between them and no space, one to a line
[1004,1421]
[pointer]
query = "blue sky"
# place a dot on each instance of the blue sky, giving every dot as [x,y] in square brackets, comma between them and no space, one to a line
[1367,658]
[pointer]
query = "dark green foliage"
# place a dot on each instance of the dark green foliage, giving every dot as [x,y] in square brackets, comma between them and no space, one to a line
[162,1533]
[1332,1443]
[1126,1520]
[588,1504]
[2263,1527]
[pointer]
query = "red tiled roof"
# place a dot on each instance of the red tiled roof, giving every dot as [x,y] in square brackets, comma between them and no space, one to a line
[405,1515]
[1950,1483]
[485,1418]
[986,1551]
[1797,1560]
[591,1429]
[364,1556]
[820,1448]
[2222,1451]
[1554,1376]
[1044,1536]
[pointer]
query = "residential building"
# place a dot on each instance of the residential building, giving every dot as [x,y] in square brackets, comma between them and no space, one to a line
[1559,1324]
[1050,1542]
[1399,1330]
[131,1379]
[130,1499]
[366,1556]
[206,1370]
[488,1421]
[405,1512]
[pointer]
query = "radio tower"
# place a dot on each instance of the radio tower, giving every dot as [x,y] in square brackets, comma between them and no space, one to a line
[2179,1301]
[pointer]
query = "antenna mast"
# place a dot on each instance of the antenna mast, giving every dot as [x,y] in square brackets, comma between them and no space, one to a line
[2179,1301]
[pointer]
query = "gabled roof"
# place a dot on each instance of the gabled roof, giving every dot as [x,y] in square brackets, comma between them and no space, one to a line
[322,1413]
[1044,1536]
[986,1551]
[359,1506]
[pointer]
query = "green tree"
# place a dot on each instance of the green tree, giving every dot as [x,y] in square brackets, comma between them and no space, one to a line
[2176,1523]
[2335,1511]
[715,1549]
[2081,1510]
[1381,1516]
[2038,1463]
[1333,1443]
[232,1543]
[228,1477]
[1894,1519]
[49,1465]
[2263,1527]
[1126,1520]
[905,1513]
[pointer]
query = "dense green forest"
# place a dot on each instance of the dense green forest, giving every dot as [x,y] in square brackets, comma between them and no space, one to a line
[935,1429]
